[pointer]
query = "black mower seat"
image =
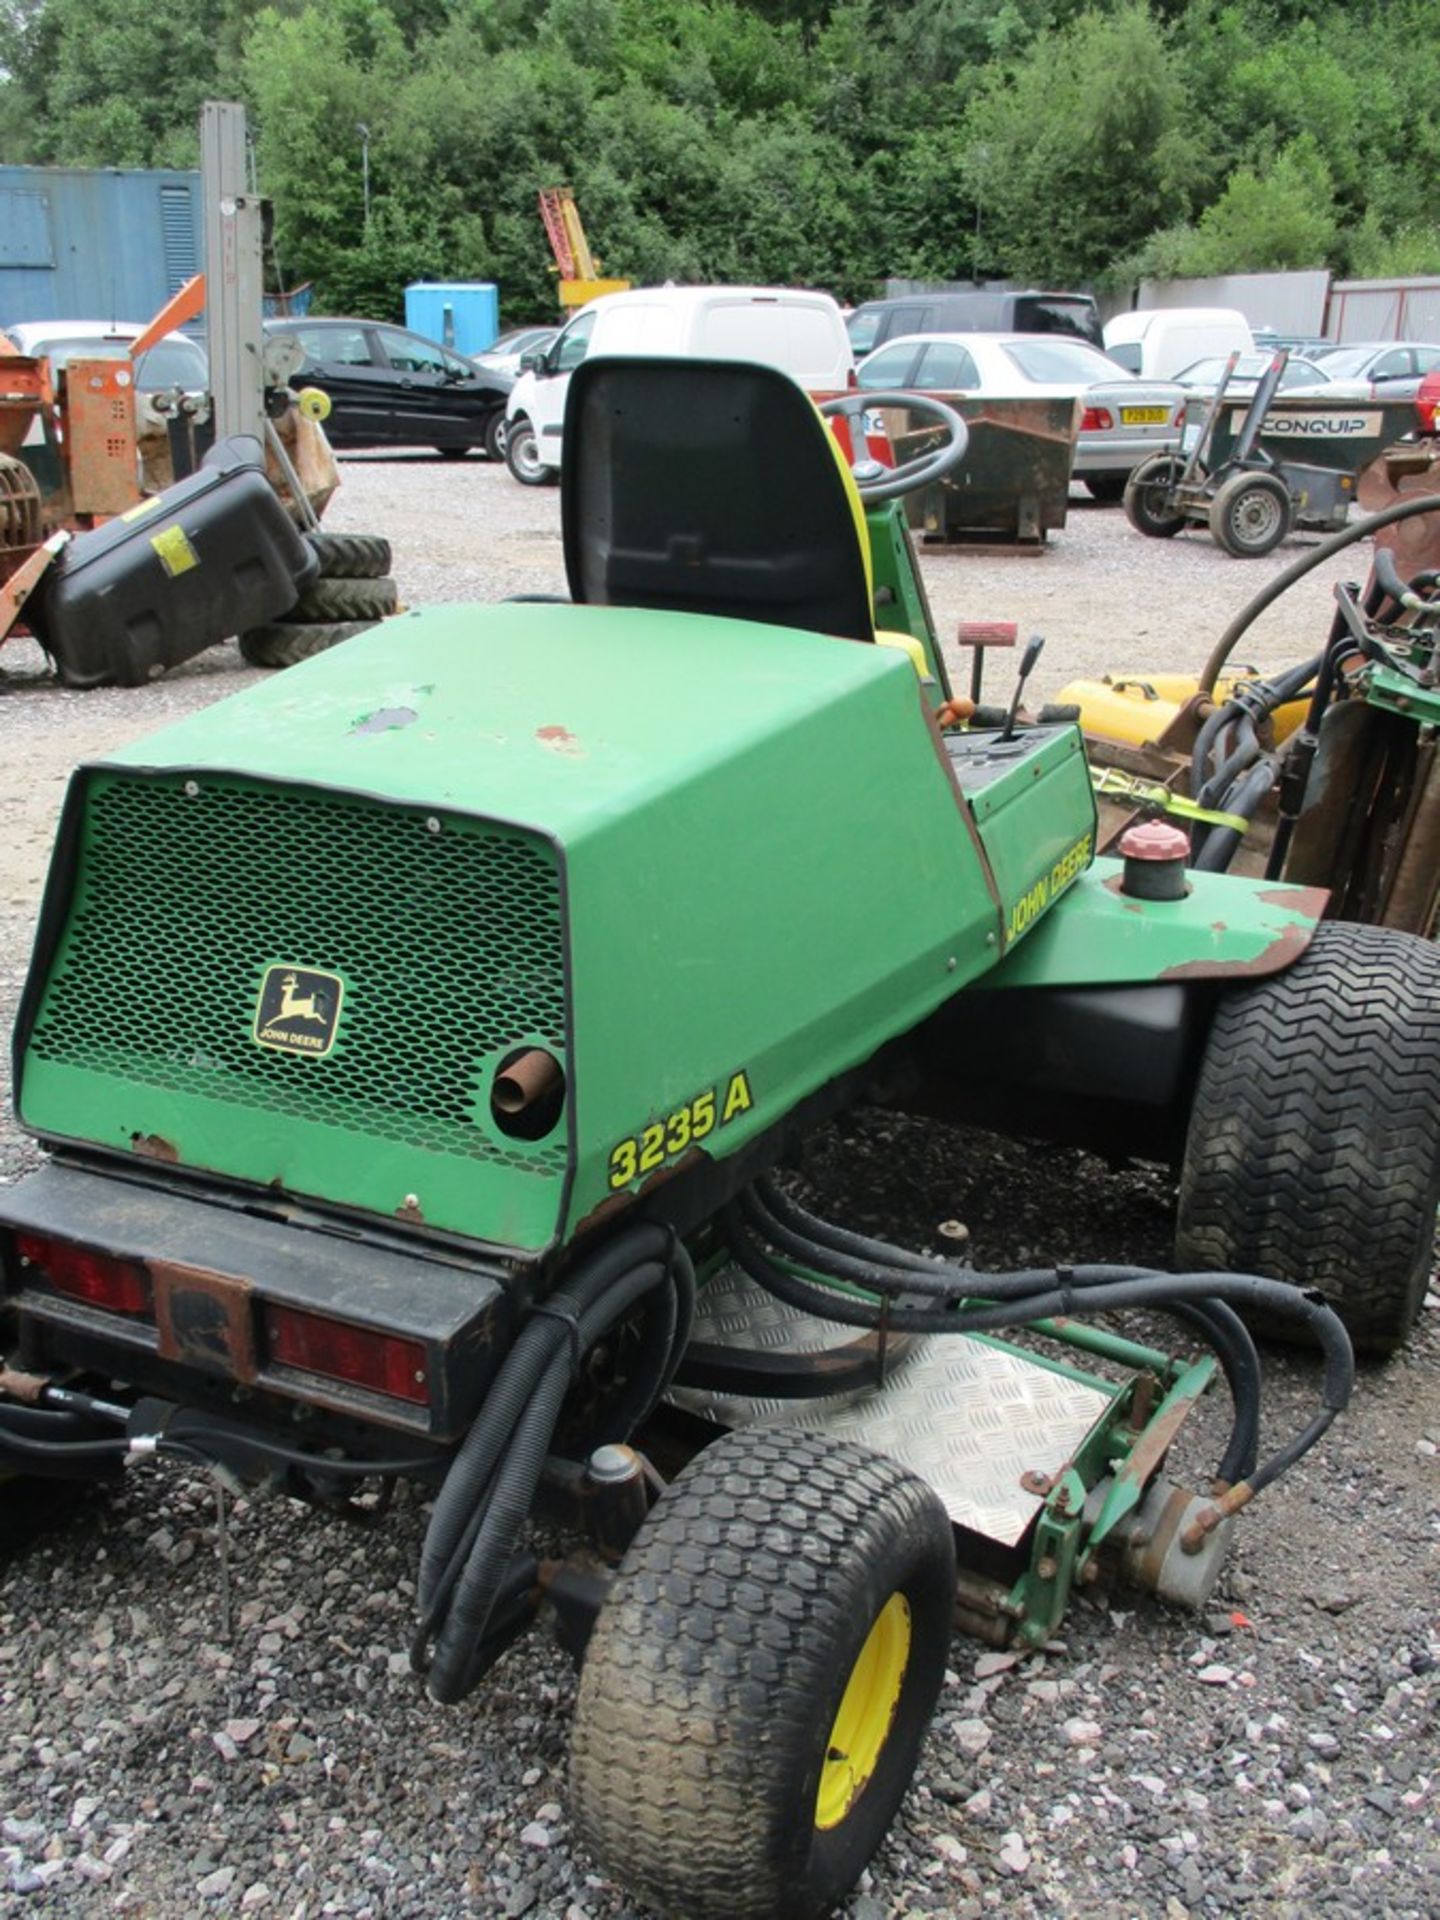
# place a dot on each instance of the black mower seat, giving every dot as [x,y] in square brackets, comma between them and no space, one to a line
[709,486]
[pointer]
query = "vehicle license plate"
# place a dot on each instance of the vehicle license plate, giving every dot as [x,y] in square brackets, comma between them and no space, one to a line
[1144,416]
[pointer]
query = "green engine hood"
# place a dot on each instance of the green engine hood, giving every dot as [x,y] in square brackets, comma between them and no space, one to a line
[706,864]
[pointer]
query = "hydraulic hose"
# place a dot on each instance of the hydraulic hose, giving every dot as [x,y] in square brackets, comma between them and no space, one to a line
[33,1433]
[490,1488]
[1217,1323]
[1222,1328]
[1222,843]
[534,1346]
[1002,1300]
[1317,556]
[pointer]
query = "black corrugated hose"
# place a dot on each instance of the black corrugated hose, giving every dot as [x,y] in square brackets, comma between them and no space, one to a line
[490,1488]
[763,1217]
[1220,1326]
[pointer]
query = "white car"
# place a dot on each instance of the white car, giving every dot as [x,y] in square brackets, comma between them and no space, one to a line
[801,333]
[175,360]
[1124,419]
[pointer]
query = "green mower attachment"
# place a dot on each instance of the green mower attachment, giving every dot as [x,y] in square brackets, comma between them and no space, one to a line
[417,1037]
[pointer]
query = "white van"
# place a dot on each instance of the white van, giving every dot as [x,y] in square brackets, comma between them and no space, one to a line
[803,334]
[1159,341]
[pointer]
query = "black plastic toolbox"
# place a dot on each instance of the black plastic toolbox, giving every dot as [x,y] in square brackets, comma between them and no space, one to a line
[206,559]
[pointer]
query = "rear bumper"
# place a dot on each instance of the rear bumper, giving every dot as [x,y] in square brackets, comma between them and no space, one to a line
[214,1272]
[1121,452]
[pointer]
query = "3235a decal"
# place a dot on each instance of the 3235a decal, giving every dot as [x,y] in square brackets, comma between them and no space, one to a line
[666,1139]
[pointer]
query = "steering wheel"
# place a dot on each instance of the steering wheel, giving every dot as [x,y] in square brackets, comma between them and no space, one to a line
[878,482]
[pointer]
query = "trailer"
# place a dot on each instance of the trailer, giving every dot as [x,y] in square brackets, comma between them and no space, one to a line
[1262,466]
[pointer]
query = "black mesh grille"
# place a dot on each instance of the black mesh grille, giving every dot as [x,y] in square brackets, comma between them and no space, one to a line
[445,931]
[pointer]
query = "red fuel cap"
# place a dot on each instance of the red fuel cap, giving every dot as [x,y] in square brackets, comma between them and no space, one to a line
[1155,840]
[1155,853]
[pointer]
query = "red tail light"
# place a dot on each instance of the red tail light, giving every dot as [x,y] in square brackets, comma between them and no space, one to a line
[360,1357]
[84,1273]
[1096,420]
[1179,417]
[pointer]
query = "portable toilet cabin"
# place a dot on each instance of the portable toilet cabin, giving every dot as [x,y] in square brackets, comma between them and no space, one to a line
[461,314]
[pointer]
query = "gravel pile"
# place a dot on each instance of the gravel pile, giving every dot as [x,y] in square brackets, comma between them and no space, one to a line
[1278,1754]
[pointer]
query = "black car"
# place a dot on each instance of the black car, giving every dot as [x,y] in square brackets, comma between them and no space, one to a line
[389,387]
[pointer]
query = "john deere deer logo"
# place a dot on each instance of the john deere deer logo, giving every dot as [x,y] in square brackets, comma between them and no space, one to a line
[298,1010]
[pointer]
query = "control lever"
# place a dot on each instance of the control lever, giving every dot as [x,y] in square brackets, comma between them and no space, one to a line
[1034,646]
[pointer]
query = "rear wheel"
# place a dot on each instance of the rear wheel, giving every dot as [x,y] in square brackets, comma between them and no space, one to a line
[522,456]
[1314,1144]
[761,1676]
[1251,514]
[1149,505]
[495,435]
[1107,487]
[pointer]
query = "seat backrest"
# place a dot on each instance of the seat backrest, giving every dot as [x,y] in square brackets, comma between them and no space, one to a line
[709,486]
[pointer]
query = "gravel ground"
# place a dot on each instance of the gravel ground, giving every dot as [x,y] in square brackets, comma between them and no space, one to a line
[1279,1754]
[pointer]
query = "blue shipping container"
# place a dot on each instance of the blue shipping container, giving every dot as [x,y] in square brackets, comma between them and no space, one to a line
[87,243]
[463,314]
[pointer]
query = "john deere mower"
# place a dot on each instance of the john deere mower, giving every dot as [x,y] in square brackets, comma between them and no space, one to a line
[419,1041]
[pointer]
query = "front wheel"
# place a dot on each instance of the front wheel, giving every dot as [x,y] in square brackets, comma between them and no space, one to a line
[761,1676]
[1314,1144]
[1251,515]
[522,455]
[1150,497]
[495,435]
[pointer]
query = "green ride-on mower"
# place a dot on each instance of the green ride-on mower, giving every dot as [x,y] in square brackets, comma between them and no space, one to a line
[419,1040]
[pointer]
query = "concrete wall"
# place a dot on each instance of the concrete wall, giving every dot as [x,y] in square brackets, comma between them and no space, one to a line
[95,243]
[1281,302]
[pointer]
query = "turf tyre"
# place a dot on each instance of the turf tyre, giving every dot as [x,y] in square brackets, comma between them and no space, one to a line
[283,644]
[351,556]
[717,1665]
[1313,1149]
[327,601]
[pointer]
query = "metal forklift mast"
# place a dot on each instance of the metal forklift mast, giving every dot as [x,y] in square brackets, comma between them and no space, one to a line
[234,273]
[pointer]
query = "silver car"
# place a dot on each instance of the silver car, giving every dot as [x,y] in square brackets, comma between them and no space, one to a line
[1393,368]
[1203,376]
[1124,419]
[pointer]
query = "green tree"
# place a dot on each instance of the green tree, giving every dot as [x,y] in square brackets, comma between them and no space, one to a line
[1086,145]
[106,83]
[1270,219]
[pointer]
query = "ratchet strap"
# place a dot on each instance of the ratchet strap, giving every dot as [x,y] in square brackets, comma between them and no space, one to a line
[1123,786]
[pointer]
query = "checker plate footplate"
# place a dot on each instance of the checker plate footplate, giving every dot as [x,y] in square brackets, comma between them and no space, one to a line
[969,1417]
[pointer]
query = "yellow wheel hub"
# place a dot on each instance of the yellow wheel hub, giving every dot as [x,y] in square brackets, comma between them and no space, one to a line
[863,1723]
